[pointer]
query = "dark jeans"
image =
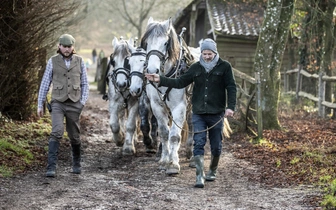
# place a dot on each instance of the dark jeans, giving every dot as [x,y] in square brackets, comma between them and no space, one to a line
[202,122]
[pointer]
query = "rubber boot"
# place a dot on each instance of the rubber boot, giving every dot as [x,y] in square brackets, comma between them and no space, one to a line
[199,162]
[52,157]
[211,175]
[76,159]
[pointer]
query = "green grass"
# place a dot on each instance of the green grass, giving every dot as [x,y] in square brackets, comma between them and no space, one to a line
[5,171]
[20,144]
[329,200]
[7,149]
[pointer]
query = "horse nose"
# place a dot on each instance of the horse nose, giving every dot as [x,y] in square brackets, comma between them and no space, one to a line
[152,71]
[122,85]
[156,71]
[136,92]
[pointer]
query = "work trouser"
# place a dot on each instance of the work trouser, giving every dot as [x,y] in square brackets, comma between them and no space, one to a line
[71,111]
[202,122]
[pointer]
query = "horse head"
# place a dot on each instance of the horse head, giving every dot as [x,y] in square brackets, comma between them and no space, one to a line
[162,45]
[120,70]
[137,65]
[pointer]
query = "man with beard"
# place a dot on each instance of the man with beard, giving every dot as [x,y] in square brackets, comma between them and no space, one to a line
[214,97]
[66,71]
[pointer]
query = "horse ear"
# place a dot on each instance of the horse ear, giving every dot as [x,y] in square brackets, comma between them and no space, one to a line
[150,20]
[167,25]
[130,45]
[130,40]
[115,42]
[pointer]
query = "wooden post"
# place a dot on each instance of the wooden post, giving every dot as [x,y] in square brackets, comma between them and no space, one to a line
[192,26]
[101,83]
[258,108]
[321,97]
[298,83]
[285,81]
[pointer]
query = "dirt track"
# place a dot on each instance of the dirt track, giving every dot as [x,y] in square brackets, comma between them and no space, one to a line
[111,181]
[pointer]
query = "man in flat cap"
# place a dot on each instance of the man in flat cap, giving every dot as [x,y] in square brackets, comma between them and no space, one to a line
[66,71]
[213,98]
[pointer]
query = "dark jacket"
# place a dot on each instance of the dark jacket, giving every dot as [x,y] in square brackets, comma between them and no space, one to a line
[210,89]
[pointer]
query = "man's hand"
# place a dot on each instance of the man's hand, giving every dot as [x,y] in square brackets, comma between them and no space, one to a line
[153,77]
[228,113]
[40,112]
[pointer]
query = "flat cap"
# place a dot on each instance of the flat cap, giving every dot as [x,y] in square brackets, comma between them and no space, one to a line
[67,39]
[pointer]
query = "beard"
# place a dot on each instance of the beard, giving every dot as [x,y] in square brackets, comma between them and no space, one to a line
[66,56]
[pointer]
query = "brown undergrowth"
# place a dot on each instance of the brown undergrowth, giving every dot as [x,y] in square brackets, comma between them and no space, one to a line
[302,153]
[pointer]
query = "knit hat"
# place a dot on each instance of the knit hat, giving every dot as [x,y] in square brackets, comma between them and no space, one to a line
[209,44]
[66,40]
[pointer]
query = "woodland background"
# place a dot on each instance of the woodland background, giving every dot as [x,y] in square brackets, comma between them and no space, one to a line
[29,32]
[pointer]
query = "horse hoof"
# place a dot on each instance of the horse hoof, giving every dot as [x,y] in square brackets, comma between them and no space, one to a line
[172,171]
[128,152]
[162,168]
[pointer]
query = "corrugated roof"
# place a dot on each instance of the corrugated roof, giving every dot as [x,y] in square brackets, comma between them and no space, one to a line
[229,18]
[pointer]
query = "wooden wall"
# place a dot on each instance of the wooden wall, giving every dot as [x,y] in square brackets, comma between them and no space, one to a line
[240,53]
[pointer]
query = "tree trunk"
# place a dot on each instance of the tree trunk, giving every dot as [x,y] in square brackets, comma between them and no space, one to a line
[269,55]
[328,45]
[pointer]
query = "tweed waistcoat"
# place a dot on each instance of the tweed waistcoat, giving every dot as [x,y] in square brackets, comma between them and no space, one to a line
[66,81]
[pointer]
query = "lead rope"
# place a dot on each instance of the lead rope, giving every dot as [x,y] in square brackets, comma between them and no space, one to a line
[171,117]
[192,132]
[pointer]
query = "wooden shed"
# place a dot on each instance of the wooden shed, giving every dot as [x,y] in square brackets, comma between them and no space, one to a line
[234,26]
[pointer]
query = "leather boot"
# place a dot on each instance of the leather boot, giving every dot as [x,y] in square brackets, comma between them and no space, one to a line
[76,159]
[199,162]
[52,157]
[211,175]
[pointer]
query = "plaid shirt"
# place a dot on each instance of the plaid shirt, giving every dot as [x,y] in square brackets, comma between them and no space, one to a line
[47,79]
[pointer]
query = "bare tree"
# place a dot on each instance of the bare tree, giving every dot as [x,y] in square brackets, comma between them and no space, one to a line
[28,29]
[135,13]
[328,8]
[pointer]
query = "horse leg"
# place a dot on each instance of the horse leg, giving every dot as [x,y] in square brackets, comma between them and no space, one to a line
[164,135]
[144,110]
[129,148]
[190,140]
[163,131]
[178,114]
[154,136]
[117,133]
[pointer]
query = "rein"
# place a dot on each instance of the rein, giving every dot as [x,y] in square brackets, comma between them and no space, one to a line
[125,70]
[136,73]
[174,72]
[192,132]
[113,76]
[163,58]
